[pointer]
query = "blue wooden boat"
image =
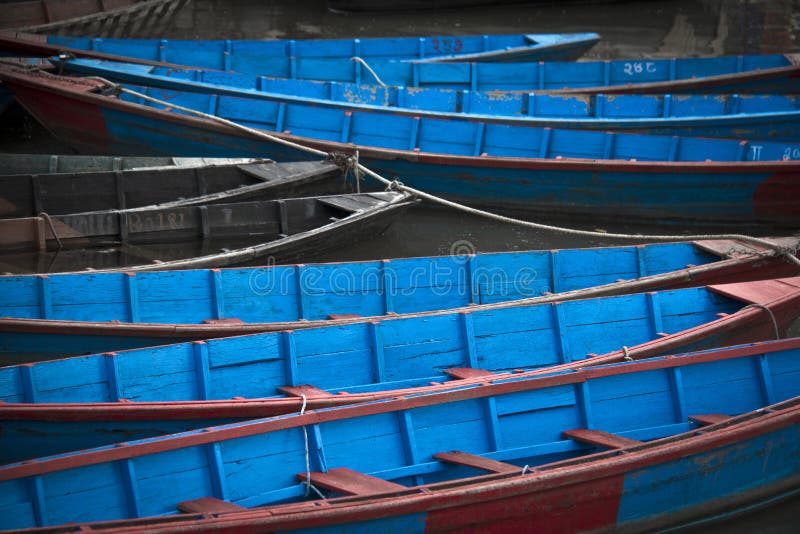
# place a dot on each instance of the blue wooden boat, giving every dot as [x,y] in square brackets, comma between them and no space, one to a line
[752,117]
[158,390]
[511,168]
[776,73]
[50,315]
[478,48]
[710,432]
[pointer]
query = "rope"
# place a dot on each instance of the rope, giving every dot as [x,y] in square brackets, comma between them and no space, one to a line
[627,354]
[369,69]
[771,316]
[46,217]
[309,485]
[399,186]
[524,469]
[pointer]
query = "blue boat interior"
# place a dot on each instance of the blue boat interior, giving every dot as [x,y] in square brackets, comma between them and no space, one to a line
[579,415]
[211,54]
[474,76]
[354,358]
[457,136]
[311,291]
[488,103]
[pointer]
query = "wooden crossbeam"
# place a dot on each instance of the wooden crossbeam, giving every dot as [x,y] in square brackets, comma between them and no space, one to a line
[308,390]
[709,419]
[208,505]
[478,462]
[349,482]
[600,438]
[461,373]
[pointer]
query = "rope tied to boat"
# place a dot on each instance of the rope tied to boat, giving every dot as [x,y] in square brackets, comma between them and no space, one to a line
[627,355]
[369,69]
[309,485]
[399,186]
[771,316]
[44,215]
[348,163]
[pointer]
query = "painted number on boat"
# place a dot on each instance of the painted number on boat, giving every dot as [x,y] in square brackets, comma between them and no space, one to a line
[638,67]
[447,45]
[791,153]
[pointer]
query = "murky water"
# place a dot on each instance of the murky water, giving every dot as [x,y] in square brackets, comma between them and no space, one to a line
[634,29]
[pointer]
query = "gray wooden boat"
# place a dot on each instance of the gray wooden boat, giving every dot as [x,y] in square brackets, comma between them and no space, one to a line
[69,163]
[284,230]
[169,182]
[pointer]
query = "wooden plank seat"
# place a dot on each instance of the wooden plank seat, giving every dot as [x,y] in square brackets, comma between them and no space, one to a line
[478,462]
[599,438]
[305,389]
[349,482]
[208,505]
[709,419]
[461,373]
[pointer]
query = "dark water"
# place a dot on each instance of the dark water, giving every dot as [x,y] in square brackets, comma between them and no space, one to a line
[634,29]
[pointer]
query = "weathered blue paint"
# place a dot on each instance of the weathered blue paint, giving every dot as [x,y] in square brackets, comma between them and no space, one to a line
[472,76]
[369,438]
[274,294]
[217,54]
[412,352]
[750,117]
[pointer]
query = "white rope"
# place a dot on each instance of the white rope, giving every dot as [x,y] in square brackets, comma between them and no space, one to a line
[524,469]
[366,66]
[394,184]
[771,315]
[627,356]
[309,485]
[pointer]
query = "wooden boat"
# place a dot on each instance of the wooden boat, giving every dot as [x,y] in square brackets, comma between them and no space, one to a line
[511,168]
[94,400]
[286,227]
[721,425]
[752,117]
[29,195]
[776,73]
[478,48]
[69,17]
[46,316]
[70,163]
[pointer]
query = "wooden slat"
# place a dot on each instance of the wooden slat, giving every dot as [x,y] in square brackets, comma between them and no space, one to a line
[478,462]
[309,391]
[709,418]
[600,438]
[228,320]
[349,482]
[466,372]
[208,505]
[337,316]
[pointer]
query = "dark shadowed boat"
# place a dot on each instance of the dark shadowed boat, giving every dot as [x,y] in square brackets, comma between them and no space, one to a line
[284,229]
[111,18]
[98,399]
[62,315]
[776,73]
[753,117]
[639,445]
[512,168]
[202,181]
[29,195]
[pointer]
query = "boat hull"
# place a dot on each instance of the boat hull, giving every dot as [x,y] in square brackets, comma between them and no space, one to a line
[734,193]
